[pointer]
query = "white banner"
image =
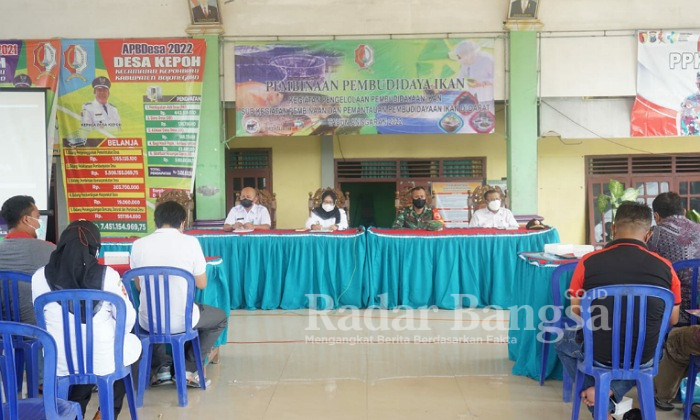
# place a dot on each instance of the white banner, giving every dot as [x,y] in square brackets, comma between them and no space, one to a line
[668,84]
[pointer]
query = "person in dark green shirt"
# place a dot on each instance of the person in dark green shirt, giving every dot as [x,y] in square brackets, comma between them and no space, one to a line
[418,215]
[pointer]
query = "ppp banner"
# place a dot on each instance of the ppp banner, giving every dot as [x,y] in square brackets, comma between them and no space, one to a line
[129,115]
[30,64]
[406,86]
[668,84]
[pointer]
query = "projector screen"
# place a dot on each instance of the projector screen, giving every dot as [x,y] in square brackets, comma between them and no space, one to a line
[23,145]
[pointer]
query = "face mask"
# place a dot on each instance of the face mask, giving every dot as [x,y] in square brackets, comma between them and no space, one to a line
[328,207]
[246,203]
[419,203]
[494,205]
[41,230]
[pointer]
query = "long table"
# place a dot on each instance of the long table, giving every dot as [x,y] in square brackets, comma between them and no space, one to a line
[422,269]
[283,269]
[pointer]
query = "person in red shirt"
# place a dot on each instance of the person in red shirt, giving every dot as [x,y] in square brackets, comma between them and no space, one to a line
[21,251]
[626,260]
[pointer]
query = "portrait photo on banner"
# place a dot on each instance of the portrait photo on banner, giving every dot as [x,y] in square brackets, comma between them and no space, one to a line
[204,12]
[523,9]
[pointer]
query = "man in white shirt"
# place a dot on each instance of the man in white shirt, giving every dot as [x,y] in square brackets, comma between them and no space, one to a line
[168,246]
[249,214]
[493,216]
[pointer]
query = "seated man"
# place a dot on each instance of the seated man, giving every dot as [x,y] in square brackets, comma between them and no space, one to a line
[168,246]
[493,216]
[21,251]
[675,238]
[681,343]
[418,215]
[618,264]
[249,214]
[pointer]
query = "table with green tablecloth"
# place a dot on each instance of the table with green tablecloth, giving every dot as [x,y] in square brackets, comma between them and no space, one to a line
[282,269]
[422,269]
[533,279]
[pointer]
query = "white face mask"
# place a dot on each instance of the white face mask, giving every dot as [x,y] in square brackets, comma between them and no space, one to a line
[328,207]
[41,230]
[494,205]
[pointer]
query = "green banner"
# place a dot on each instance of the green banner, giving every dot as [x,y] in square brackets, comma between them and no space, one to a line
[129,114]
[406,86]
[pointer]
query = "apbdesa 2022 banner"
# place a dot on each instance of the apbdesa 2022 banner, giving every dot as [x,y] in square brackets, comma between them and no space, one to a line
[407,86]
[129,125]
[668,84]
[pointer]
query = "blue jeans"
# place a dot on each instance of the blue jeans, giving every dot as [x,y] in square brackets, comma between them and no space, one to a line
[570,351]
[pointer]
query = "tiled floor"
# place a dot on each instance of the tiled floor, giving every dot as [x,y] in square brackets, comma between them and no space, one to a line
[273,369]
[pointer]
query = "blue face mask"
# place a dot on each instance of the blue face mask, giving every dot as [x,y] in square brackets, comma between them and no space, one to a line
[41,230]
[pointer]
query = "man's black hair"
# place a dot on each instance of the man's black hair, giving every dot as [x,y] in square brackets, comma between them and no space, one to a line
[418,188]
[15,208]
[633,213]
[491,191]
[668,204]
[170,213]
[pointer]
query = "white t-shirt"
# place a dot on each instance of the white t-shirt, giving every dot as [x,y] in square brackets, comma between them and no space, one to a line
[502,219]
[326,223]
[171,248]
[104,324]
[258,215]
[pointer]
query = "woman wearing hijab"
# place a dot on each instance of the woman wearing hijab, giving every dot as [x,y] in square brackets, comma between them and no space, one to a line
[328,216]
[74,265]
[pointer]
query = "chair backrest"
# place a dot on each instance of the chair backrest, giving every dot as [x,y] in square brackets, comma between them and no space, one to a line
[560,271]
[182,197]
[693,265]
[403,198]
[156,281]
[10,331]
[267,199]
[629,294]
[343,201]
[71,301]
[10,293]
[478,200]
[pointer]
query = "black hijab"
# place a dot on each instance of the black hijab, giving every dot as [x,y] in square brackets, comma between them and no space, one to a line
[325,215]
[73,264]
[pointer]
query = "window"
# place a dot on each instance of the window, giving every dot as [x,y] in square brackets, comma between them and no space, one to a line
[247,168]
[652,175]
[418,170]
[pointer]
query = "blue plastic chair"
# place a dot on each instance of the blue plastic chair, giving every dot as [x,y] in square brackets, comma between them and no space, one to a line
[557,276]
[83,373]
[46,407]
[26,351]
[156,281]
[694,364]
[627,368]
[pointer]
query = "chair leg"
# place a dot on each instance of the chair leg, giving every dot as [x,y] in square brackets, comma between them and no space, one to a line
[545,356]
[180,375]
[196,349]
[33,371]
[144,372]
[576,406]
[19,366]
[602,396]
[645,392]
[566,385]
[130,397]
[690,388]
[105,392]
